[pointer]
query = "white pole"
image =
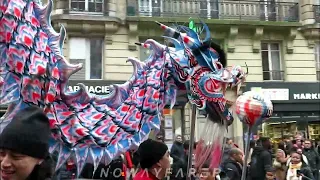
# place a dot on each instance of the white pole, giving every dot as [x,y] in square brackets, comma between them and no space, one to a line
[192,133]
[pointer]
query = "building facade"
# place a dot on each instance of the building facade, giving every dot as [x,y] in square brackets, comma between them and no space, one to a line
[296,109]
[277,39]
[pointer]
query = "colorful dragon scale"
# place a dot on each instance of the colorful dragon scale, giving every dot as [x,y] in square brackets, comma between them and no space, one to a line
[34,72]
[99,128]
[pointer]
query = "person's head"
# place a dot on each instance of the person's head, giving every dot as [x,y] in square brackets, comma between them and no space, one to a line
[154,156]
[186,146]
[159,138]
[207,174]
[299,150]
[307,144]
[24,145]
[296,157]
[179,138]
[280,154]
[285,138]
[298,136]
[229,141]
[299,142]
[236,154]
[281,145]
[265,142]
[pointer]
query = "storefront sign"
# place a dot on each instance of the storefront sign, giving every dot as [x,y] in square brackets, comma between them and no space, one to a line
[99,87]
[288,92]
[273,94]
[306,96]
[93,89]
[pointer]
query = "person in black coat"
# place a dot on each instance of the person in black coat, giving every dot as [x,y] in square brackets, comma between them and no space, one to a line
[313,158]
[177,151]
[232,166]
[261,159]
[179,167]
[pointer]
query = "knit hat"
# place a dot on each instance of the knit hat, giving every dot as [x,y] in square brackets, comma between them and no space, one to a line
[28,133]
[151,152]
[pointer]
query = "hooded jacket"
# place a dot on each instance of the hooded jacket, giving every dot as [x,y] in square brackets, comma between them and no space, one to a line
[261,163]
[232,169]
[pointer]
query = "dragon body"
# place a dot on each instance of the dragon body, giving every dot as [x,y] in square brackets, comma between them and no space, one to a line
[96,128]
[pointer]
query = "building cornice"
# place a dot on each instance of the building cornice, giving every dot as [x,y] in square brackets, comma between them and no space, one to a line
[311,33]
[87,24]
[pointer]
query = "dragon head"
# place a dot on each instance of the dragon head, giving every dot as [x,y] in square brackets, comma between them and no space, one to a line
[200,65]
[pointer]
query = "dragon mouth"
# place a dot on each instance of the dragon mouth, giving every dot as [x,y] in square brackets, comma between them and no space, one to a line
[219,112]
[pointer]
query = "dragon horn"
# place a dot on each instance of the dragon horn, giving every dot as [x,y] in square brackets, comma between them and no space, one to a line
[206,28]
[147,46]
[175,34]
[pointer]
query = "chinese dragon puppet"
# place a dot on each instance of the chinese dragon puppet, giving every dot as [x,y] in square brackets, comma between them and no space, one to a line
[96,128]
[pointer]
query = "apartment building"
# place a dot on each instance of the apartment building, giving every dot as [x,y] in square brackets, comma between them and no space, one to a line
[278,39]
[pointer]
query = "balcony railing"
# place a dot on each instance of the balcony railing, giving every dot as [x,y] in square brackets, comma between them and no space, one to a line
[274,75]
[316,9]
[215,9]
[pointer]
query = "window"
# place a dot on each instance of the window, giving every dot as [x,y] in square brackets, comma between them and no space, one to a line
[89,52]
[271,61]
[87,5]
[317,58]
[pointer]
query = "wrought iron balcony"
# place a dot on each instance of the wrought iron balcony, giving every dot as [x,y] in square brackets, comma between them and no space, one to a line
[316,9]
[215,9]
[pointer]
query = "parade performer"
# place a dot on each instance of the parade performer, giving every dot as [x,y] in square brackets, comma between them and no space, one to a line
[33,71]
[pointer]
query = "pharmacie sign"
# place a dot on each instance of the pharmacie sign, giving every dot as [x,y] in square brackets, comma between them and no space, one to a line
[99,87]
[93,89]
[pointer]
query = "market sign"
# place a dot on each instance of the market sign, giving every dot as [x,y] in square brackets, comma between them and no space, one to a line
[306,96]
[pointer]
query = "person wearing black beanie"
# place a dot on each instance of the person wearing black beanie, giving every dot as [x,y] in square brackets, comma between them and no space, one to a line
[154,160]
[24,146]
